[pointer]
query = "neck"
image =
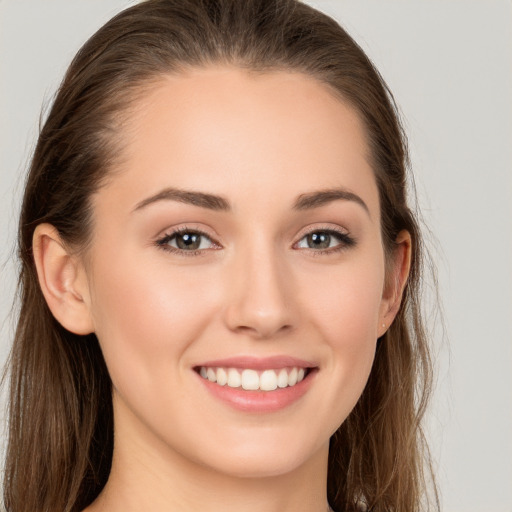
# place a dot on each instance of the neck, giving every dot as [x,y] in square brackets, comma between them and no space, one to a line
[146,475]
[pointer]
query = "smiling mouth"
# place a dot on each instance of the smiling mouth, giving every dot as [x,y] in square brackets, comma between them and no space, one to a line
[254,380]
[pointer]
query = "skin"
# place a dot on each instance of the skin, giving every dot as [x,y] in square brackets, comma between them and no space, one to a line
[255,288]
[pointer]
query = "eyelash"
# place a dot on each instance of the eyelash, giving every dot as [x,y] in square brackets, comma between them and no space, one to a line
[346,241]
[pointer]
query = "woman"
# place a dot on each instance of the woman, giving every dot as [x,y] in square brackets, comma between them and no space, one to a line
[220,274]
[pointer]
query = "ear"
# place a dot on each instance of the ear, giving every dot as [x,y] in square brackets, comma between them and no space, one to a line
[396,279]
[62,279]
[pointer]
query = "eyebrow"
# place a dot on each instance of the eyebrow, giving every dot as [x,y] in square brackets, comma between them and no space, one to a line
[323,197]
[209,201]
[218,203]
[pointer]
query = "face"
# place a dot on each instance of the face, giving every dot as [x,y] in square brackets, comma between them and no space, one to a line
[236,272]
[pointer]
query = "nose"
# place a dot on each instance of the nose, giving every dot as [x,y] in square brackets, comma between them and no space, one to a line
[260,296]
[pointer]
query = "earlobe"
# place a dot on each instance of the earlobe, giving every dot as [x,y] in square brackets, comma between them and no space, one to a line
[398,273]
[62,280]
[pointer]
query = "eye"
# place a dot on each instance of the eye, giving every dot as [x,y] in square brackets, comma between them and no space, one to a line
[328,240]
[186,241]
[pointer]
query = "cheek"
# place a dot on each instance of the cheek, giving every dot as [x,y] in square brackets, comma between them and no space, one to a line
[346,314]
[146,316]
[346,307]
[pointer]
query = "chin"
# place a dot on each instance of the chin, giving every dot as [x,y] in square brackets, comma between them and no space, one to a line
[264,460]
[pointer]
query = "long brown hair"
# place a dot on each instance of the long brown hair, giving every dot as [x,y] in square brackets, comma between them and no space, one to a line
[61,420]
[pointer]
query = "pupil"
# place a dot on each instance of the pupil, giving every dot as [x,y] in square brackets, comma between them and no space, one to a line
[319,240]
[188,241]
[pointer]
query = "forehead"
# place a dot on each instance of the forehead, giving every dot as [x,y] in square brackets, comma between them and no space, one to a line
[233,132]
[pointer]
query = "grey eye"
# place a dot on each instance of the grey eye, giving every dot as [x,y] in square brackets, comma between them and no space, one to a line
[325,239]
[320,240]
[188,241]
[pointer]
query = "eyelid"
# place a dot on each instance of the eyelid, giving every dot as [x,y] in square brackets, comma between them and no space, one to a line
[322,227]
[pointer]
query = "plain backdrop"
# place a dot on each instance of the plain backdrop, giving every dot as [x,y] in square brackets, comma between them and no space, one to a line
[449,65]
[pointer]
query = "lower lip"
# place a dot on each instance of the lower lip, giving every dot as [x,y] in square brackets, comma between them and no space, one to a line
[260,401]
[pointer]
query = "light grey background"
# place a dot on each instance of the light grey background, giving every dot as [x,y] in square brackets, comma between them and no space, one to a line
[449,64]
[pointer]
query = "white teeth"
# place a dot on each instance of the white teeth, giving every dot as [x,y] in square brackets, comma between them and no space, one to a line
[292,377]
[211,374]
[234,378]
[222,377]
[252,380]
[282,378]
[268,380]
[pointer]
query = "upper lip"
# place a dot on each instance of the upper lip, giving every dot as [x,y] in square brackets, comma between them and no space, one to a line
[259,363]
